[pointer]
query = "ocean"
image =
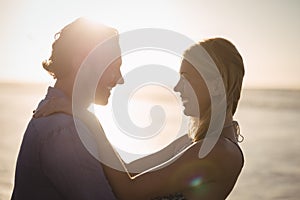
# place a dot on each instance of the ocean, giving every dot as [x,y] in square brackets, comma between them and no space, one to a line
[269,121]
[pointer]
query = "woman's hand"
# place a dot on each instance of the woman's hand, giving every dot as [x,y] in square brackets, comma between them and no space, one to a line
[54,105]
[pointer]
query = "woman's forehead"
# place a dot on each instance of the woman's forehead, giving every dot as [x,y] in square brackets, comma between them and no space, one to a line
[186,67]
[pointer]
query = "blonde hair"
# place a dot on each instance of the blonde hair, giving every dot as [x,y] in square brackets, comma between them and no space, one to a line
[78,37]
[230,65]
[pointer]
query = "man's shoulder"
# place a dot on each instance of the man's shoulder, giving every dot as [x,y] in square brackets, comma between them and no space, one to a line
[52,122]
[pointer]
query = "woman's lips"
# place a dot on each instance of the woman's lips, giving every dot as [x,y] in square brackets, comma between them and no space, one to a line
[184,100]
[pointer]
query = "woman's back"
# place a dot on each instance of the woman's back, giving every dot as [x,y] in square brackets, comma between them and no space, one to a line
[222,167]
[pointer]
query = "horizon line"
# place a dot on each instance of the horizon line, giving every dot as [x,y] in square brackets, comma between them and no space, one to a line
[247,87]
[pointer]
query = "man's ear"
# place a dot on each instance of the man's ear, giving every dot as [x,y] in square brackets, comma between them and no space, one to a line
[77,61]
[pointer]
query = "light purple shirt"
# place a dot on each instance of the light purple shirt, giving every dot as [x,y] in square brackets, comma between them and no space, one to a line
[54,164]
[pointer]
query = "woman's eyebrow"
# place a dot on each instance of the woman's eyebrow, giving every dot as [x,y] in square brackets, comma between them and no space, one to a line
[184,75]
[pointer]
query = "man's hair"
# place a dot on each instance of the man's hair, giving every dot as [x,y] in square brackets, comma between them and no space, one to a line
[75,39]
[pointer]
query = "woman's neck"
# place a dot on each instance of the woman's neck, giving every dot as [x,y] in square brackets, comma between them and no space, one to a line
[228,120]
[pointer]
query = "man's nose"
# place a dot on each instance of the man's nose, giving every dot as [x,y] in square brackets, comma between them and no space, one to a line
[120,80]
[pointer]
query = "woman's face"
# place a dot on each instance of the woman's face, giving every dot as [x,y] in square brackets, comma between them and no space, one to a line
[192,89]
[111,77]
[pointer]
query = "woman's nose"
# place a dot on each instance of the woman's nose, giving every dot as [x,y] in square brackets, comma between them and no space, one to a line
[178,87]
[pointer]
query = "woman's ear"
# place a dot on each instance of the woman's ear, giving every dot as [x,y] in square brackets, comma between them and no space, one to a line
[218,87]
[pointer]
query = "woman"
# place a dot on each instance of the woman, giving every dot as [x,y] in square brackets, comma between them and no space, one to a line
[213,176]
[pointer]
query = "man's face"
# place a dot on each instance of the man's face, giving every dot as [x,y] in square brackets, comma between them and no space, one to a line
[110,78]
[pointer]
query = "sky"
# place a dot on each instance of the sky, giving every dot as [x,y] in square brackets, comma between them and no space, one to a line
[266,32]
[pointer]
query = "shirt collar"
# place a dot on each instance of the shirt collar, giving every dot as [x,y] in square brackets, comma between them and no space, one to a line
[54,92]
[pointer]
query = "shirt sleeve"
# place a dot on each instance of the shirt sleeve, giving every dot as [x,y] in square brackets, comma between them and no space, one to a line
[74,172]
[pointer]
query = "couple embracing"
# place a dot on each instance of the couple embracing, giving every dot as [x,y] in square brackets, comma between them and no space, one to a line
[54,163]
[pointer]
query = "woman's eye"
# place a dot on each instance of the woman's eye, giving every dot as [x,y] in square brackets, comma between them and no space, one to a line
[183,79]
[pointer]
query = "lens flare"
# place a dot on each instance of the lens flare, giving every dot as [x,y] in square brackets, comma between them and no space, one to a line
[196,181]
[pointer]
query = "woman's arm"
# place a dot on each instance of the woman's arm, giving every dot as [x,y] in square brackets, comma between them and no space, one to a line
[212,177]
[159,158]
[176,177]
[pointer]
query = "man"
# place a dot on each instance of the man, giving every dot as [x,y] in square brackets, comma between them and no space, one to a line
[53,162]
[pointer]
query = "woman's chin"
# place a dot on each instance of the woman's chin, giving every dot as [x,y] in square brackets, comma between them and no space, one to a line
[187,112]
[192,112]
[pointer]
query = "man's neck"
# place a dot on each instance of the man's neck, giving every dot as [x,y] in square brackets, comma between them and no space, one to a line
[65,86]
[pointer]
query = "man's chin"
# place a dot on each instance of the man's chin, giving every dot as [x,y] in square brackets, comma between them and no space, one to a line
[101,99]
[101,102]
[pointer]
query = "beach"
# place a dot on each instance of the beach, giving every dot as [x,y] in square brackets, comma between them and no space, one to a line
[269,122]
